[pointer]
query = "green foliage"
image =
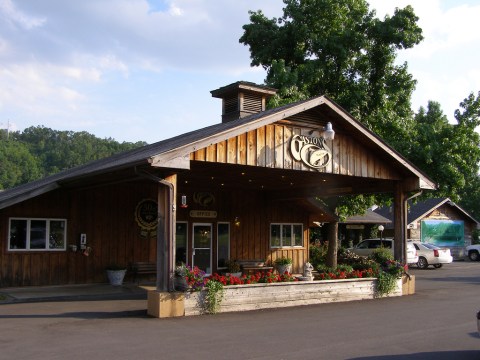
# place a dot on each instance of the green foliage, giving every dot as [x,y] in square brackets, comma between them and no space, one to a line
[381,255]
[213,296]
[283,261]
[38,152]
[318,254]
[17,164]
[385,283]
[356,262]
[340,49]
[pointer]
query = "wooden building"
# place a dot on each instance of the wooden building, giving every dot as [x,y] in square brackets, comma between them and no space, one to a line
[439,221]
[244,189]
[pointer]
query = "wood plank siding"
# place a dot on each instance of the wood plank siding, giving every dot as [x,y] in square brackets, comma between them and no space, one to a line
[105,214]
[269,147]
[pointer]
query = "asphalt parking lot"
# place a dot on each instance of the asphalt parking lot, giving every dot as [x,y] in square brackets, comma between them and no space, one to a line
[435,323]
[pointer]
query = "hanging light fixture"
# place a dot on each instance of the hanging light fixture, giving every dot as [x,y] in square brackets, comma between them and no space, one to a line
[184,204]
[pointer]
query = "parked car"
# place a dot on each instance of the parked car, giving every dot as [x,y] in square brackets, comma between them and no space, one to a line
[473,252]
[367,246]
[429,254]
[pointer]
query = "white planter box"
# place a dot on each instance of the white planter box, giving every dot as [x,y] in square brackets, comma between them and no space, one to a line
[264,296]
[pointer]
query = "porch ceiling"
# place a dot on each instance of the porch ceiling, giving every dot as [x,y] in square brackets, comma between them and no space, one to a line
[281,184]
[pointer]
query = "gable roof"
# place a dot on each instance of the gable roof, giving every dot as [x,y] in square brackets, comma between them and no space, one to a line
[175,152]
[370,217]
[418,211]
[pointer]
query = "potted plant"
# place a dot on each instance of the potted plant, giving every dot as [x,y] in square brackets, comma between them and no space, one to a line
[180,280]
[233,268]
[283,264]
[116,274]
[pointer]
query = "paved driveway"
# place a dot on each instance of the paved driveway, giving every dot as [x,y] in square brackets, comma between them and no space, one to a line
[435,323]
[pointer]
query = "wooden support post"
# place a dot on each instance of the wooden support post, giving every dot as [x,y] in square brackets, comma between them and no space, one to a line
[166,234]
[400,221]
[332,238]
[162,234]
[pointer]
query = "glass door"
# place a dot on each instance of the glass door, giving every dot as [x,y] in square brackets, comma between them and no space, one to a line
[202,247]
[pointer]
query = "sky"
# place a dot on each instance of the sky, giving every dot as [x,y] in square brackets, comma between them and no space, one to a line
[142,70]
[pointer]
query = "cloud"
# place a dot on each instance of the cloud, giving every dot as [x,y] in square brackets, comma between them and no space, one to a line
[123,68]
[11,14]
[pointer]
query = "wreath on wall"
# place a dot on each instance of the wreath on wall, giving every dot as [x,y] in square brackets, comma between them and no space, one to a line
[146,216]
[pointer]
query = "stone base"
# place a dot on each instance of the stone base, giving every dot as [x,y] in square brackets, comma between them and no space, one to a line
[165,304]
[408,285]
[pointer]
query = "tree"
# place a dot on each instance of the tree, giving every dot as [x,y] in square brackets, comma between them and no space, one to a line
[17,165]
[448,153]
[340,49]
[38,152]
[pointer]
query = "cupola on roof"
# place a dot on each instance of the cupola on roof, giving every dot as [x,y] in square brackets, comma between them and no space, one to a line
[242,99]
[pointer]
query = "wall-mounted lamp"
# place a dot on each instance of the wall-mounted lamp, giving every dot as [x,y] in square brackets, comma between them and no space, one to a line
[184,204]
[236,221]
[319,224]
[328,132]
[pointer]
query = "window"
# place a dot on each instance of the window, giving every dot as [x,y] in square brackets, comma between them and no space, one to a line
[181,240]
[223,244]
[286,235]
[37,234]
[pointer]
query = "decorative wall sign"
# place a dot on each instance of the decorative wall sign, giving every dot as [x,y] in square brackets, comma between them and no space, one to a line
[311,150]
[203,214]
[204,199]
[146,216]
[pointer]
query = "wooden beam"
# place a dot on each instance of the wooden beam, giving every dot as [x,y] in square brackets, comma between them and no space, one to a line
[400,221]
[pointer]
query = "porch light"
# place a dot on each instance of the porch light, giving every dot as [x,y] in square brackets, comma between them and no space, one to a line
[328,132]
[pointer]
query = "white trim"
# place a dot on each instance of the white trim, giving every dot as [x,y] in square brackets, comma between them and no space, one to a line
[193,244]
[282,246]
[28,234]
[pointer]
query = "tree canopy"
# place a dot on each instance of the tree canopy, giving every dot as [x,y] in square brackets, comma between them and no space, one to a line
[339,48]
[39,151]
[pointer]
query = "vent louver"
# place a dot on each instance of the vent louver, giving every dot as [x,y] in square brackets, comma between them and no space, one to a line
[242,98]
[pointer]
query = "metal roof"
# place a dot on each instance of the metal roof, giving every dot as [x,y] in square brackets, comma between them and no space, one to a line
[417,211]
[186,143]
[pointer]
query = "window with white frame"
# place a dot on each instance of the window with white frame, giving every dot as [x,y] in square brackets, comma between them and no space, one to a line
[286,235]
[37,234]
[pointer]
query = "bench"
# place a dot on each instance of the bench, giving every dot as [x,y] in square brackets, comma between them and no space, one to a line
[143,268]
[252,266]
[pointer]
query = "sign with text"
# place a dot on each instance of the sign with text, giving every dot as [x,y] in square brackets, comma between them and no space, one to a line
[203,214]
[311,150]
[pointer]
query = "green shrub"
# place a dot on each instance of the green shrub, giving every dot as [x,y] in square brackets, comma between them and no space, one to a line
[344,267]
[318,254]
[365,264]
[381,255]
[283,261]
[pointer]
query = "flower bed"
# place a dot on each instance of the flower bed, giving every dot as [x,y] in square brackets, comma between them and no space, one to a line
[284,294]
[226,293]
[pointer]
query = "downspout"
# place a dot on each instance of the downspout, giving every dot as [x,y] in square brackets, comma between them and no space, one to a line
[165,275]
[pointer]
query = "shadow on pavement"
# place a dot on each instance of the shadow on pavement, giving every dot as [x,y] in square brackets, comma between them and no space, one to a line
[437,355]
[83,315]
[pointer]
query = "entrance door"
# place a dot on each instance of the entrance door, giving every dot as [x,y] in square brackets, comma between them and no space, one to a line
[202,247]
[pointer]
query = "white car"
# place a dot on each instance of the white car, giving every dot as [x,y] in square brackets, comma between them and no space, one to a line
[429,254]
[367,246]
[473,252]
